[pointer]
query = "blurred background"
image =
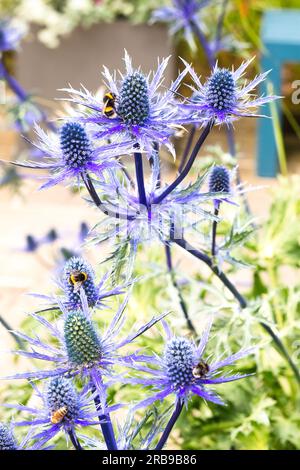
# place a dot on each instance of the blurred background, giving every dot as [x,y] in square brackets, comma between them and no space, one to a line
[67,42]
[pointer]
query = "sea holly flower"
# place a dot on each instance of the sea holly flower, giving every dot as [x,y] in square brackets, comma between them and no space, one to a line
[223,99]
[73,153]
[7,439]
[63,409]
[181,16]
[78,274]
[183,371]
[10,35]
[82,349]
[143,115]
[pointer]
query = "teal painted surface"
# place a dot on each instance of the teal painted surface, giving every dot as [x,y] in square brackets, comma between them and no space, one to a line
[280,33]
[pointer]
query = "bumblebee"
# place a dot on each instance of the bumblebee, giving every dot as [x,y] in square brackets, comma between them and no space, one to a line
[109,104]
[58,415]
[200,370]
[77,278]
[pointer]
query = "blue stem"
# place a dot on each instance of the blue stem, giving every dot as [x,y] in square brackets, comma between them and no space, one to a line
[214,232]
[188,166]
[74,439]
[105,424]
[165,435]
[13,83]
[138,159]
[187,148]
[207,49]
[181,299]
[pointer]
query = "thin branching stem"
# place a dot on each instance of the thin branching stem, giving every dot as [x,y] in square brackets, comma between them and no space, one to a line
[177,288]
[188,166]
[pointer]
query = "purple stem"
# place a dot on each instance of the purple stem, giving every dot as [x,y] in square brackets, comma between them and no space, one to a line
[202,39]
[138,159]
[181,299]
[175,415]
[9,329]
[106,426]
[188,166]
[187,148]
[13,84]
[220,25]
[74,439]
[21,93]
[97,201]
[214,232]
[208,261]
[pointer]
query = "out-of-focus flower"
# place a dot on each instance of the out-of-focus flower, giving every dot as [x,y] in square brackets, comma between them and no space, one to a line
[10,35]
[181,16]
[142,115]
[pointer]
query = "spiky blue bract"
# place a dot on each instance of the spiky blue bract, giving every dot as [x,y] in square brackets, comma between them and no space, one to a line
[75,145]
[82,342]
[173,372]
[224,97]
[134,99]
[219,180]
[74,152]
[78,264]
[179,360]
[61,393]
[145,111]
[7,440]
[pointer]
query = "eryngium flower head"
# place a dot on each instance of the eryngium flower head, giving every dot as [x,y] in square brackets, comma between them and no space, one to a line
[10,35]
[179,359]
[181,16]
[219,180]
[143,114]
[183,371]
[72,153]
[223,99]
[75,145]
[82,342]
[7,440]
[81,350]
[61,395]
[134,99]
[78,274]
[62,408]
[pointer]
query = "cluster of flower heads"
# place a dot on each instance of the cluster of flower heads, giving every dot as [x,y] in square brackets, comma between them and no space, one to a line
[78,348]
